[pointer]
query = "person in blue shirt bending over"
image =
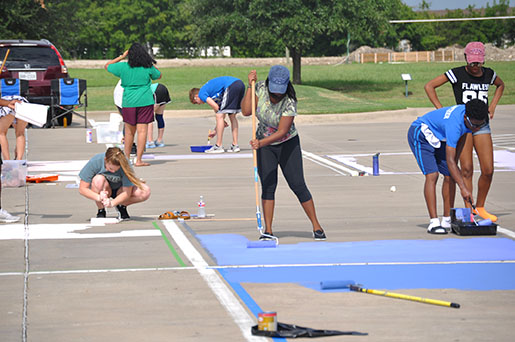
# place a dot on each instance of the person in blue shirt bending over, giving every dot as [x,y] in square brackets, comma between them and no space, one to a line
[437,139]
[224,95]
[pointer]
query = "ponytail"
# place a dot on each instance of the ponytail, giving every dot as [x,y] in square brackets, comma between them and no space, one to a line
[115,156]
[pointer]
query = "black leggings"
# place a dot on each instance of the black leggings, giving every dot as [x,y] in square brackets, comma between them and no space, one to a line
[288,155]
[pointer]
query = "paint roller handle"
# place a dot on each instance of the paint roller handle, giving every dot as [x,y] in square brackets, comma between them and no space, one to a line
[474,207]
[405,297]
[5,59]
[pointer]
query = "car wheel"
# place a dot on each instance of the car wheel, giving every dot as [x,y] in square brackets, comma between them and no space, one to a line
[68,117]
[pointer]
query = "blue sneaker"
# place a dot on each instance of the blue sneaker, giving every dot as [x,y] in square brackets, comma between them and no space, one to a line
[150,144]
[159,143]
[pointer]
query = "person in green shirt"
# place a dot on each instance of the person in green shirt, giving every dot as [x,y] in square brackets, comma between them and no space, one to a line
[138,99]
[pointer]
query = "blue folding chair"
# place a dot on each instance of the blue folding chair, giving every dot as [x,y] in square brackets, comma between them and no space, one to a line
[14,86]
[66,94]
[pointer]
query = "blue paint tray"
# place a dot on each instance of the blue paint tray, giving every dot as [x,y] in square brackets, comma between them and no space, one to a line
[200,148]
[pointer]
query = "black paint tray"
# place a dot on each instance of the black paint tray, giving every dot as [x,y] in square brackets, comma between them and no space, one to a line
[470,228]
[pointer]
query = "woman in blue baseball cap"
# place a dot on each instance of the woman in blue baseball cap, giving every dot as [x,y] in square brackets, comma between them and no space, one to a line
[277,144]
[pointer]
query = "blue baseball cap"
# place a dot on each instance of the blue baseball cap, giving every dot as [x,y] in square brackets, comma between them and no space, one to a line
[278,79]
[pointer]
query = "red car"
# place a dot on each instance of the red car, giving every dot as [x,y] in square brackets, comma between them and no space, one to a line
[36,61]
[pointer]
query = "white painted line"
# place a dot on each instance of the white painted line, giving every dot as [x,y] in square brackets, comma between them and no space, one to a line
[226,297]
[326,162]
[327,166]
[506,232]
[400,263]
[111,270]
[189,268]
[372,154]
[56,165]
[67,231]
[203,156]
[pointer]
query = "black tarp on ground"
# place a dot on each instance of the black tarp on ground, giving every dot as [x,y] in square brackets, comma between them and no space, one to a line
[294,331]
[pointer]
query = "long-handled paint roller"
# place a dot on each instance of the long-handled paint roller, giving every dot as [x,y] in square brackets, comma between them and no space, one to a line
[275,240]
[342,284]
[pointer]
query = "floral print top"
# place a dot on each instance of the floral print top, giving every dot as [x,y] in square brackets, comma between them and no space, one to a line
[270,114]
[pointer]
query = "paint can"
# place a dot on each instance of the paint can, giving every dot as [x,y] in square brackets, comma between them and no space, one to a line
[267,321]
[89,136]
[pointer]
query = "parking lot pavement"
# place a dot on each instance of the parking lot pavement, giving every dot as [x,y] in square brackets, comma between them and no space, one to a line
[62,279]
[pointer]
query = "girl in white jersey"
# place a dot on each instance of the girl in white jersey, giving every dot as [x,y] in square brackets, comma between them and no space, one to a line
[470,82]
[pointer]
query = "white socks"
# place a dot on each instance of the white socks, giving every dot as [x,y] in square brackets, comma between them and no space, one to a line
[434,222]
[435,227]
[446,222]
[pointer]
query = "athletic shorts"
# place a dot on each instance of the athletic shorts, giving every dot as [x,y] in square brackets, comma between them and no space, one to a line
[429,159]
[484,130]
[231,99]
[161,95]
[138,115]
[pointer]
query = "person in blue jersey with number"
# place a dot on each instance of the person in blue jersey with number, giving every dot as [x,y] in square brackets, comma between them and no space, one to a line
[437,139]
[224,95]
[473,81]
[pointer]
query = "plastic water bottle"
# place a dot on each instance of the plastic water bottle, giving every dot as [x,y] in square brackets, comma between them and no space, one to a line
[89,136]
[201,208]
[375,164]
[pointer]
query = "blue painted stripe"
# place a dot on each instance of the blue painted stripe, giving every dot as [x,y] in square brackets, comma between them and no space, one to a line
[246,298]
[231,249]
[468,277]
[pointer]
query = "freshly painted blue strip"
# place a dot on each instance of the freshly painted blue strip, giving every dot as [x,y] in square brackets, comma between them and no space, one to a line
[231,249]
[478,277]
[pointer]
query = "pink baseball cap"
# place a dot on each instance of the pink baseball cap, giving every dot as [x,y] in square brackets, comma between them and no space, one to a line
[475,52]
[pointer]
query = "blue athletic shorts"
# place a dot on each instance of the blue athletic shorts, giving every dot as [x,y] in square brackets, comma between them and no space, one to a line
[231,99]
[429,159]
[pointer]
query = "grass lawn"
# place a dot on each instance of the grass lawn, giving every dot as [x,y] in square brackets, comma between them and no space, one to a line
[345,88]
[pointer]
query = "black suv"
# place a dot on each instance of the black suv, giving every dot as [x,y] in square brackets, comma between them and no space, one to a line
[36,61]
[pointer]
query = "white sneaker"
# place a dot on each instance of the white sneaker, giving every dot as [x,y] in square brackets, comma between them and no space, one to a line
[8,218]
[446,222]
[215,149]
[234,148]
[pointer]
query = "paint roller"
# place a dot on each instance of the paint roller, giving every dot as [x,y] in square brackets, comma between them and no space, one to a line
[262,244]
[336,284]
[349,284]
[274,240]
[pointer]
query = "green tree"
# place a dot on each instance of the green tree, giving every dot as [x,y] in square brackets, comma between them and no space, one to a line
[23,19]
[273,26]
